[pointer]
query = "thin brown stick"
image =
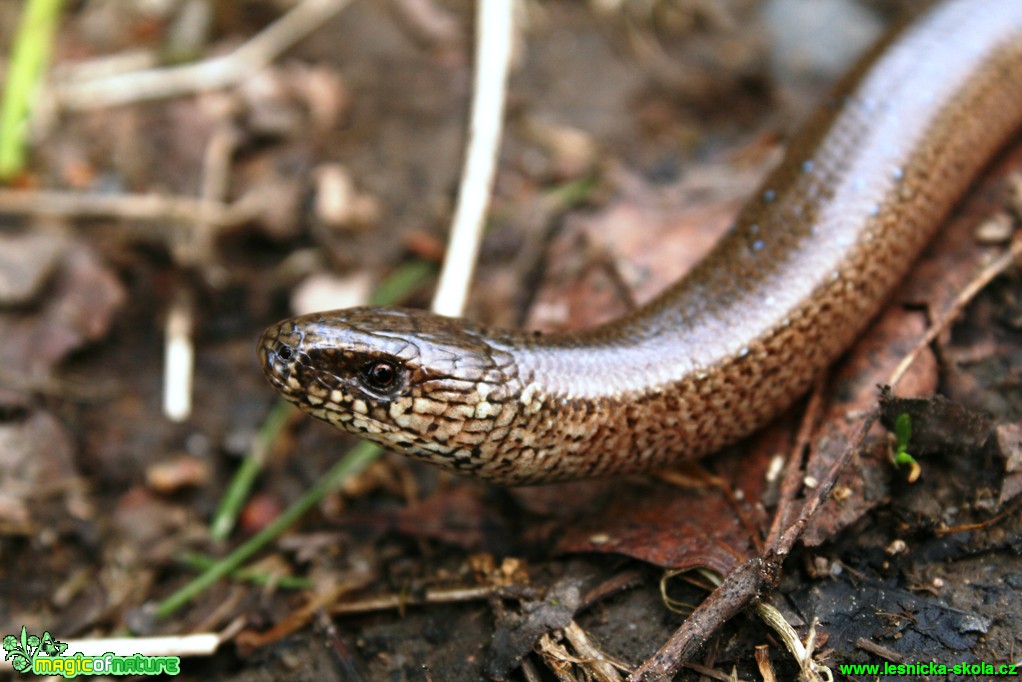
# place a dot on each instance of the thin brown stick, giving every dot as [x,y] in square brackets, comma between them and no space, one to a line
[401,601]
[195,249]
[216,72]
[146,207]
[793,472]
[985,276]
[744,585]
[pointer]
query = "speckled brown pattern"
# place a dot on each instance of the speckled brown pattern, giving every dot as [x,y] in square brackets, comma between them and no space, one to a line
[809,261]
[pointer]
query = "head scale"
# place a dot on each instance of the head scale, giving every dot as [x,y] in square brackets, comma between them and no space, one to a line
[408,380]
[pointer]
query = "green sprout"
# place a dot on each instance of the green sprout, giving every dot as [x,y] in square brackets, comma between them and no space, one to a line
[900,456]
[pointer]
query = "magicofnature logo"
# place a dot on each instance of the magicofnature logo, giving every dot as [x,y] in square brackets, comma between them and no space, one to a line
[45,656]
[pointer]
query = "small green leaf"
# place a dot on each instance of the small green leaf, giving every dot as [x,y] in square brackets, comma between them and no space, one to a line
[903,429]
[901,457]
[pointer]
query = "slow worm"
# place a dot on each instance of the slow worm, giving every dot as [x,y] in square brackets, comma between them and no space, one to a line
[810,260]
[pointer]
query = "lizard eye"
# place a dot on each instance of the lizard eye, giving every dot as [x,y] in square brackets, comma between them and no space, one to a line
[380,374]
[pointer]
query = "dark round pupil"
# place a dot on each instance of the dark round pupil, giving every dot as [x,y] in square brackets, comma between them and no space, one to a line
[382,374]
[285,353]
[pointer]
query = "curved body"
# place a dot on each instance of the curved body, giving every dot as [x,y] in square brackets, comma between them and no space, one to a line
[810,260]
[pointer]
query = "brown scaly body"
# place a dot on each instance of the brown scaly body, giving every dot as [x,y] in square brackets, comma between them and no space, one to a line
[809,262]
